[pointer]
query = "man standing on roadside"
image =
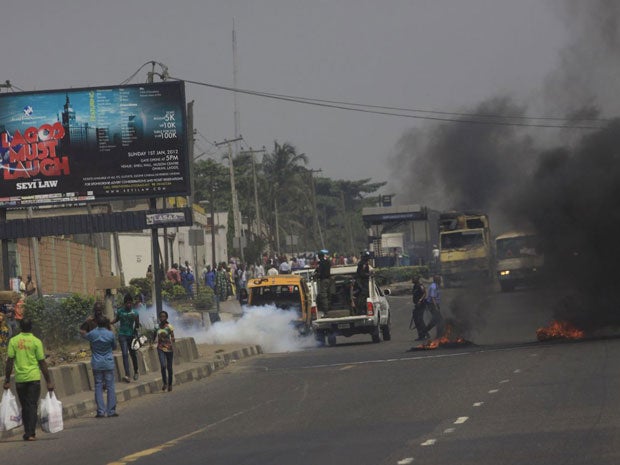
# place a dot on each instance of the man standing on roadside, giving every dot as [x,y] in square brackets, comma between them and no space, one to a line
[102,343]
[129,324]
[25,354]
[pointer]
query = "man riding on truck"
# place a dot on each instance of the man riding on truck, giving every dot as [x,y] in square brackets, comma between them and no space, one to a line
[323,276]
[361,282]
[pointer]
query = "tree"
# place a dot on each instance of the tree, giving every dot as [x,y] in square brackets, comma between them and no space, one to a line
[283,170]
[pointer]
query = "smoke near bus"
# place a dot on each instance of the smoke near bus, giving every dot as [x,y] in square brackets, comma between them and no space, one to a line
[561,182]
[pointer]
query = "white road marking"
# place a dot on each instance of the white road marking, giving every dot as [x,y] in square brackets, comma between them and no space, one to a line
[493,391]
[389,360]
[504,381]
[518,370]
[422,357]
[449,430]
[461,420]
[405,461]
[478,404]
[429,442]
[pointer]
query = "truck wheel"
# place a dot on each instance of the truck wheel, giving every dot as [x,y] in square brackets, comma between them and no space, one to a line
[331,339]
[320,338]
[385,332]
[376,335]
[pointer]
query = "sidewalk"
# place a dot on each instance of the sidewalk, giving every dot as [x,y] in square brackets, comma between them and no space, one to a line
[192,362]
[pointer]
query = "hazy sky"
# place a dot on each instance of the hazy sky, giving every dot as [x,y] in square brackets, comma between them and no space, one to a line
[425,54]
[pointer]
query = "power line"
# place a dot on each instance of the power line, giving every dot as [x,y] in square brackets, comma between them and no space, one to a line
[362,108]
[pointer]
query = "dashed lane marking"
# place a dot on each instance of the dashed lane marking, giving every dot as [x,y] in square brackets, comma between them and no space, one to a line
[461,420]
[405,461]
[504,381]
[478,404]
[493,391]
[429,442]
[449,430]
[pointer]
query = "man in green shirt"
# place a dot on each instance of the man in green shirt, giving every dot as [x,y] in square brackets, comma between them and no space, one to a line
[25,354]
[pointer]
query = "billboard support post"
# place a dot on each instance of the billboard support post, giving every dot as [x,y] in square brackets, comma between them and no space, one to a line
[5,254]
[156,265]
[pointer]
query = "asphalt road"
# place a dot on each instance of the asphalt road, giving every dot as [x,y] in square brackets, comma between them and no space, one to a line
[503,398]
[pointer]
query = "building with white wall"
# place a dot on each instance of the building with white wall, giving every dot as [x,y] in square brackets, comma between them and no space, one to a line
[135,247]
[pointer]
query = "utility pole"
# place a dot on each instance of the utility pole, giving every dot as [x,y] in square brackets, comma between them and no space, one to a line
[256,207]
[316,213]
[4,244]
[155,252]
[233,191]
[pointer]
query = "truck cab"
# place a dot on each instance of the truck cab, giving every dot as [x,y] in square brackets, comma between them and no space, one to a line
[465,251]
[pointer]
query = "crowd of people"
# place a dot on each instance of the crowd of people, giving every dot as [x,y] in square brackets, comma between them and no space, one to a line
[226,278]
[23,354]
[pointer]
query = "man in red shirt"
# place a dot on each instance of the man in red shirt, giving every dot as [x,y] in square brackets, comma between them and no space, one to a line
[174,274]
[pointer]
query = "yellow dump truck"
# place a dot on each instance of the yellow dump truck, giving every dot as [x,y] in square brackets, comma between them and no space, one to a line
[465,250]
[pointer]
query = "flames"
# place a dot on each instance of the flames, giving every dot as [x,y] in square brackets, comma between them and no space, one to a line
[446,340]
[559,330]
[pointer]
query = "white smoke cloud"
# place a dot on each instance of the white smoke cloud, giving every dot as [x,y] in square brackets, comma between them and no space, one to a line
[266,326]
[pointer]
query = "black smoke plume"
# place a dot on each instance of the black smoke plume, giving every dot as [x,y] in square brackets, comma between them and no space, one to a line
[564,183]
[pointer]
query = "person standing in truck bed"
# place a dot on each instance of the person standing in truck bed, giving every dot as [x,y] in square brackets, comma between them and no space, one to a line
[323,275]
[362,277]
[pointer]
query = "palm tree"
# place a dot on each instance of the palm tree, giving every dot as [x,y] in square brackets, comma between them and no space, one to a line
[282,169]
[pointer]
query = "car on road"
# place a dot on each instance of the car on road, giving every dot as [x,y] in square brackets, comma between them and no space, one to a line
[288,292]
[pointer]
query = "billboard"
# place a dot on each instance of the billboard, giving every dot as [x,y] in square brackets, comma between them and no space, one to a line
[93,144]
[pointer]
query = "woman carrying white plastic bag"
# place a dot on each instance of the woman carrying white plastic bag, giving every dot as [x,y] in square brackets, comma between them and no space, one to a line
[51,414]
[10,414]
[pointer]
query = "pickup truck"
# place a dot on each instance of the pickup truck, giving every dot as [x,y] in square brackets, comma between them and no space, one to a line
[343,318]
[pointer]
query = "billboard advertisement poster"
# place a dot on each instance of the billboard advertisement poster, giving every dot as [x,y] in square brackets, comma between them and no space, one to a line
[93,144]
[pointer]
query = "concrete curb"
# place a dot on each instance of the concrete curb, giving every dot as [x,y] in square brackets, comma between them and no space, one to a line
[75,386]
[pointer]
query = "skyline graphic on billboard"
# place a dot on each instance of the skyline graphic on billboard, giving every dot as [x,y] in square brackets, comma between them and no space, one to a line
[89,144]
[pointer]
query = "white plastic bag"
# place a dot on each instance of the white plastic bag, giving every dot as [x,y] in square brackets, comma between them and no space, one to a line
[51,414]
[10,414]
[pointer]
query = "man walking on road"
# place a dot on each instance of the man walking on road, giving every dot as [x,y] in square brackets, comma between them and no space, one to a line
[25,354]
[433,300]
[419,306]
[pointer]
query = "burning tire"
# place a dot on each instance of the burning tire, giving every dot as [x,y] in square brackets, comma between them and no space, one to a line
[331,339]
[319,336]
